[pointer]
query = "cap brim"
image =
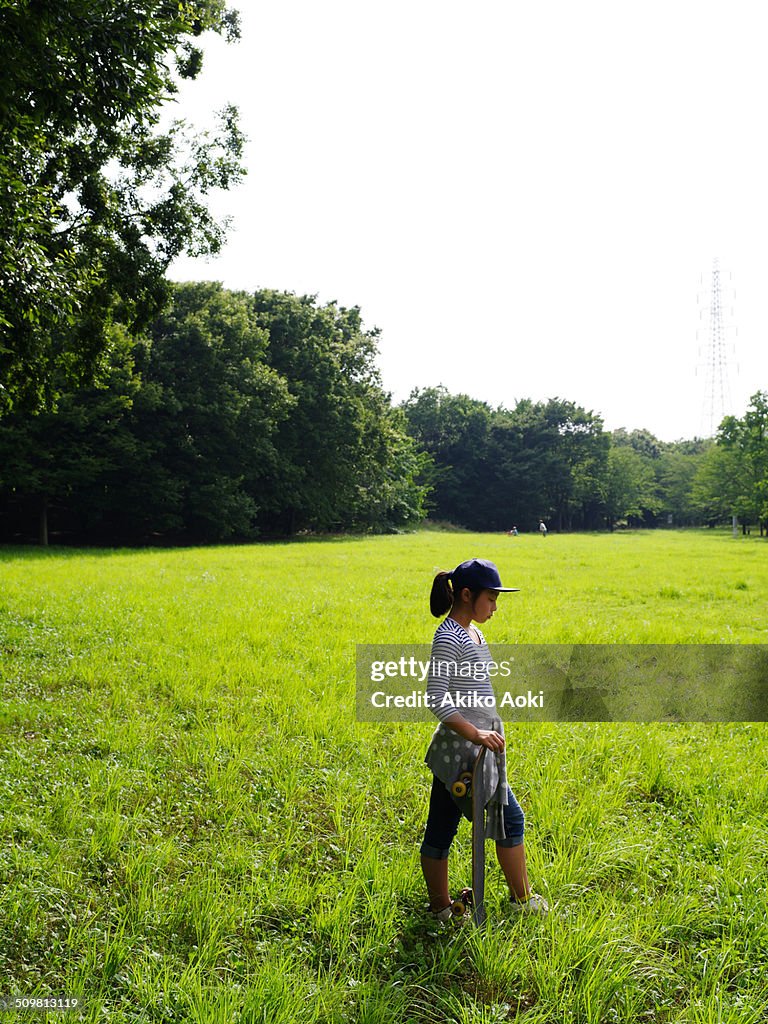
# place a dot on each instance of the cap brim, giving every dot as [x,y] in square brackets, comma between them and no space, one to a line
[506,590]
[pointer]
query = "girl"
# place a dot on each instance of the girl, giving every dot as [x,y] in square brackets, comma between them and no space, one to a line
[460,667]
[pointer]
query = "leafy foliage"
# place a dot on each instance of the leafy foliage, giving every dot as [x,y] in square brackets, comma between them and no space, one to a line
[496,468]
[94,201]
[345,456]
[736,472]
[630,485]
[235,414]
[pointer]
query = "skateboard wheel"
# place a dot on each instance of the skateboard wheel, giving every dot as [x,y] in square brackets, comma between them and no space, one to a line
[463,902]
[461,786]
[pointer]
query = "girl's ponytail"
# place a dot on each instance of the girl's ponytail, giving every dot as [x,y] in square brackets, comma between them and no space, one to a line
[441,598]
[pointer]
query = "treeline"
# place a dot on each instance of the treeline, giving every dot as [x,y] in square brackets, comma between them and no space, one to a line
[493,469]
[234,416]
[239,415]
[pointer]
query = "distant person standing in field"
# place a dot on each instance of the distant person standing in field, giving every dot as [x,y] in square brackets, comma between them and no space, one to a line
[459,668]
[542,528]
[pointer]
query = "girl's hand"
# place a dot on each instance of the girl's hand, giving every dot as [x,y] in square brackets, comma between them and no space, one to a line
[484,737]
[492,740]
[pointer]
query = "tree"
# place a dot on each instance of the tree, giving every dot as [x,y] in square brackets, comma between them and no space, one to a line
[388,479]
[630,485]
[190,435]
[718,485]
[58,463]
[455,432]
[549,458]
[176,440]
[676,468]
[578,452]
[205,421]
[746,442]
[495,468]
[342,449]
[642,441]
[94,202]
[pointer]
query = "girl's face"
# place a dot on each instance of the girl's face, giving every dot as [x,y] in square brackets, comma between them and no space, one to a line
[485,605]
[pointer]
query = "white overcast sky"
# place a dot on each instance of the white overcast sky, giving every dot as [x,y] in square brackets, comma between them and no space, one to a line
[524,198]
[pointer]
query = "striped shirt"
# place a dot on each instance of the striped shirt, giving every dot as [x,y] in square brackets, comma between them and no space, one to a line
[459,677]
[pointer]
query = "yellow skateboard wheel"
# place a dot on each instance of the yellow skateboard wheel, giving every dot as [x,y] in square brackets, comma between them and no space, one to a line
[461,786]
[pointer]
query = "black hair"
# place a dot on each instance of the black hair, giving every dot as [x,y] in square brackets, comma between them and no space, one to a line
[442,597]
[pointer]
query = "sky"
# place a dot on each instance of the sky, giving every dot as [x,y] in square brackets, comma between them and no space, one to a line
[526,200]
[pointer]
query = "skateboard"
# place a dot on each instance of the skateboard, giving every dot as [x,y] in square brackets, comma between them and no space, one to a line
[469,786]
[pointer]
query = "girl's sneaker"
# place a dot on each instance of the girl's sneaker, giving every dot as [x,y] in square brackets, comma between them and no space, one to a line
[443,916]
[535,904]
[456,911]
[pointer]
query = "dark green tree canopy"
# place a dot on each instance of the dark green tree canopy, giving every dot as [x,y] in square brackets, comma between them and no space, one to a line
[233,415]
[94,201]
[346,456]
[495,468]
[745,442]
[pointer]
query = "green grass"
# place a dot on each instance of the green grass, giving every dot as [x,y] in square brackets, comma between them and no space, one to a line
[195,828]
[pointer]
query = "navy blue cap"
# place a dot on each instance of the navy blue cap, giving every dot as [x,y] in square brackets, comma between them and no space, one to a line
[478,574]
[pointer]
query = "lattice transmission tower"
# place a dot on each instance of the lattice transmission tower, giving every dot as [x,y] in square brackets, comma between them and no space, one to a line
[716,352]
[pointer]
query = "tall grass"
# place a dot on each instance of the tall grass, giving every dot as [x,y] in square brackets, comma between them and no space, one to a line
[195,828]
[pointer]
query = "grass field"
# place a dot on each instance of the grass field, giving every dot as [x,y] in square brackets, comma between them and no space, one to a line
[195,827]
